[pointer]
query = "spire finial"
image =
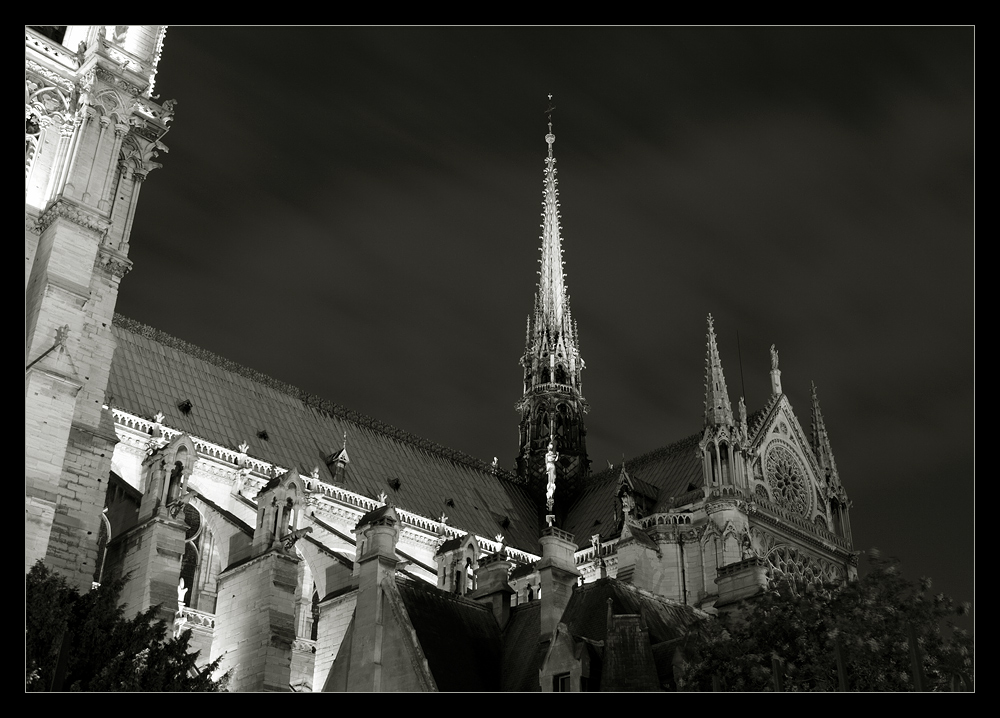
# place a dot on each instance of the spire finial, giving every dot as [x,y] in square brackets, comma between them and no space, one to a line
[550,138]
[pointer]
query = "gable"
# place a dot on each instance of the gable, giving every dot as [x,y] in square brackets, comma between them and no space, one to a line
[784,471]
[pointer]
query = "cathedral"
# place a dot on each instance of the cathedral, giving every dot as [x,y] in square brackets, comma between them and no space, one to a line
[312,547]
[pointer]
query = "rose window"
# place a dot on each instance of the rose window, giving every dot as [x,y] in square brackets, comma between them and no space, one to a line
[786,480]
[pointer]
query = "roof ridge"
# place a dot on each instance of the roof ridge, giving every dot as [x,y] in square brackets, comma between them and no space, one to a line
[643,459]
[312,400]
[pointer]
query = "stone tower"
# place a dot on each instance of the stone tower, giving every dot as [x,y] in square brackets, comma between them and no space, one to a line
[552,408]
[92,134]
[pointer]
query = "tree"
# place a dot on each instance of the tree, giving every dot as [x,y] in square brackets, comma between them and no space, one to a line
[99,649]
[873,628]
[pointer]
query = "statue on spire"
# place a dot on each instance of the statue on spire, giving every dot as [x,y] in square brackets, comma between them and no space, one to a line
[551,457]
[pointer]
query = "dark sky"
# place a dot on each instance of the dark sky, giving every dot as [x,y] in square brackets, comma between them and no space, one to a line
[356,211]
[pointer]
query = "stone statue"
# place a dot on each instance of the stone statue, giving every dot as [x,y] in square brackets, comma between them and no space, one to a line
[181,592]
[774,358]
[289,539]
[628,504]
[550,468]
[746,546]
[177,506]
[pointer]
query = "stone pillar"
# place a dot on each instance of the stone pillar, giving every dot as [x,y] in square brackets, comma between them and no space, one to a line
[492,587]
[255,622]
[152,552]
[558,575]
[376,564]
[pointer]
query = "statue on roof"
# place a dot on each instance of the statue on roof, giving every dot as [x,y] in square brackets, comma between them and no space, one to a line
[551,456]
[774,358]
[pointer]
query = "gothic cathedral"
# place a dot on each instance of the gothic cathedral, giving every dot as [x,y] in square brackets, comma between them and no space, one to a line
[403,564]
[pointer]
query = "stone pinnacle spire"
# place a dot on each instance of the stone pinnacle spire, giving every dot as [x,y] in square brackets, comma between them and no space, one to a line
[820,440]
[718,411]
[552,339]
[552,406]
[552,300]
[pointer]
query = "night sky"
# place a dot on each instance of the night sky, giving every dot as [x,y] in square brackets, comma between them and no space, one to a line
[356,211]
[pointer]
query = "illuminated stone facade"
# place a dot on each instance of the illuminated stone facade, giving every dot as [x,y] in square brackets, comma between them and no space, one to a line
[342,570]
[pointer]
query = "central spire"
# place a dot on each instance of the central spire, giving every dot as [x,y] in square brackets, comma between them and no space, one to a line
[551,354]
[552,407]
[552,298]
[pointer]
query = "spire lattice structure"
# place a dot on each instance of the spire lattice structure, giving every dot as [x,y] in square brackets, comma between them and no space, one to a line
[552,407]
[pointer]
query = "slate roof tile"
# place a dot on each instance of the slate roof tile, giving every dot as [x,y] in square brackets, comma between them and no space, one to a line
[232,403]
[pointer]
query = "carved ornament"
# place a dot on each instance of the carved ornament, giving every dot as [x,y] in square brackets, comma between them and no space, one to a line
[56,79]
[112,262]
[111,79]
[76,214]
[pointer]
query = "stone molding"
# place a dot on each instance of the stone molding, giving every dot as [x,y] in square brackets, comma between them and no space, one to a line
[76,214]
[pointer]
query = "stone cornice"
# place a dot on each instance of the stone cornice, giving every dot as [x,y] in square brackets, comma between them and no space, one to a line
[112,262]
[74,213]
[802,530]
[326,499]
[109,78]
[55,78]
[50,50]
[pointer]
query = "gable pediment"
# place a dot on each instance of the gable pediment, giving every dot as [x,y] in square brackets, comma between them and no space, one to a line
[784,466]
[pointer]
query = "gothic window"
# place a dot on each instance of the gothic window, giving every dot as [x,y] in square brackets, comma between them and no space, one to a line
[199,565]
[560,374]
[560,683]
[838,525]
[786,479]
[102,545]
[314,632]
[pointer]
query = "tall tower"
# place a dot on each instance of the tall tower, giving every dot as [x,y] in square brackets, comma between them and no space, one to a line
[553,406]
[92,133]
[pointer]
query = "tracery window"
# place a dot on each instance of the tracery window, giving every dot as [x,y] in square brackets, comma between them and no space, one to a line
[786,479]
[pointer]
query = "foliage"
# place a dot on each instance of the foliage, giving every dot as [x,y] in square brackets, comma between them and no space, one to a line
[871,619]
[105,651]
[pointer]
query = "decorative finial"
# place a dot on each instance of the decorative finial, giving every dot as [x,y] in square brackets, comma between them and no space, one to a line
[382,497]
[550,138]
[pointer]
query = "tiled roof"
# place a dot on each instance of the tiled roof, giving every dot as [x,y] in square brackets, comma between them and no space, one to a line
[670,470]
[523,653]
[586,615]
[460,639]
[628,657]
[229,404]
